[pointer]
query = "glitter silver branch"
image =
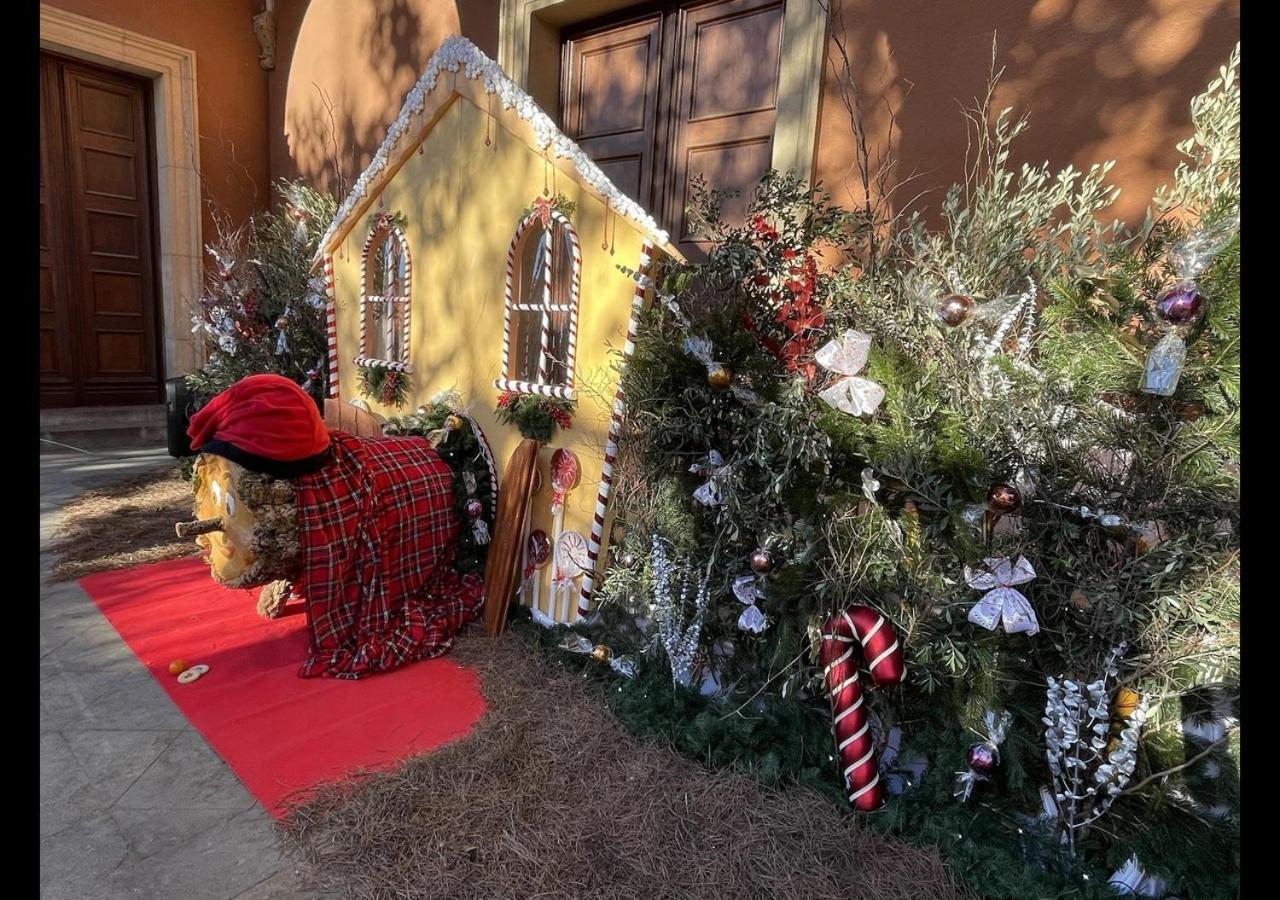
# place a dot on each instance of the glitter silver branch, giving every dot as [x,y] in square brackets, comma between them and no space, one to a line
[1087,774]
[679,639]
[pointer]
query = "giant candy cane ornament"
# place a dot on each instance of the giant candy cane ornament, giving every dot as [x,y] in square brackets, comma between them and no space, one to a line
[858,628]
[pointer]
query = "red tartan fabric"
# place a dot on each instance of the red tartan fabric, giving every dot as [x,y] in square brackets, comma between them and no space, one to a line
[377,527]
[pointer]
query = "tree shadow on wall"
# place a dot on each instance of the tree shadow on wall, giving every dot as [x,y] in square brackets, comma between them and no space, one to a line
[1099,80]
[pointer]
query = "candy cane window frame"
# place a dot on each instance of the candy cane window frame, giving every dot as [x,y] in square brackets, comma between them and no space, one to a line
[519,310]
[398,269]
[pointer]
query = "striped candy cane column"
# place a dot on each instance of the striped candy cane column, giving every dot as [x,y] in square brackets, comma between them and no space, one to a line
[331,324]
[615,428]
[862,629]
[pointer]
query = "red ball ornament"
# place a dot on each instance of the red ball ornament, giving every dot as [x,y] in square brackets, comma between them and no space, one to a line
[475,508]
[1003,499]
[954,309]
[1180,304]
[983,758]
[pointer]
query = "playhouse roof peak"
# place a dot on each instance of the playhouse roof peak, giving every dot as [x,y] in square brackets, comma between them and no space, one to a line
[458,55]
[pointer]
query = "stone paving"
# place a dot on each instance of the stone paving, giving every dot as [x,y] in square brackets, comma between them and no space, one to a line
[133,802]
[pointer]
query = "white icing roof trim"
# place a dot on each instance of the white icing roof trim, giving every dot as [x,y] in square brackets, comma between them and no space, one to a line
[455,54]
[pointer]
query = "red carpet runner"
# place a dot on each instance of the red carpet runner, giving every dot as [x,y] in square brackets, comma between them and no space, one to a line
[278,732]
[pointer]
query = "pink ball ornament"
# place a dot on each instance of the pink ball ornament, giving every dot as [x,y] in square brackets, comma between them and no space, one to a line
[475,508]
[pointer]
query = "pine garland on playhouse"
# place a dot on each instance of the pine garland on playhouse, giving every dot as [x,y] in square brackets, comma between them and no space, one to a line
[1013,439]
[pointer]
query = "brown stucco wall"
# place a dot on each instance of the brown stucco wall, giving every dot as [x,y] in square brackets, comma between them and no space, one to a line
[1101,79]
[343,69]
[231,99]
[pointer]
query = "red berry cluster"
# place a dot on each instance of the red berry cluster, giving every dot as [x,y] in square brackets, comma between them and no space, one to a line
[560,416]
[795,308]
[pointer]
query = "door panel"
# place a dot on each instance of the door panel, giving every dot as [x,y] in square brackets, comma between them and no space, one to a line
[726,106]
[57,356]
[678,90]
[610,90]
[101,260]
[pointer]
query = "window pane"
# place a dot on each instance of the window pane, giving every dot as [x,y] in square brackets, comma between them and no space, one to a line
[541,336]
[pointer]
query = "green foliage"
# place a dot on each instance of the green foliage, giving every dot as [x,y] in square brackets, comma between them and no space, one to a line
[384,385]
[872,510]
[262,308]
[536,417]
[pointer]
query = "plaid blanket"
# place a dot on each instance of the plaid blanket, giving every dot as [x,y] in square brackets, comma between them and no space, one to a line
[377,527]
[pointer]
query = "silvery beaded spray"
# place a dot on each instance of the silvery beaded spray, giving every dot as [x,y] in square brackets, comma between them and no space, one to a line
[678,639]
[1182,304]
[1087,774]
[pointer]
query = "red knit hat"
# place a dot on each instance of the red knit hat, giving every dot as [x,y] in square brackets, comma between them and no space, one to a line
[266,423]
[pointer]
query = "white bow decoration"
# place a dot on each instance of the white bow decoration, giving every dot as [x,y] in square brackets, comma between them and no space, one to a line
[847,355]
[711,493]
[747,589]
[1003,603]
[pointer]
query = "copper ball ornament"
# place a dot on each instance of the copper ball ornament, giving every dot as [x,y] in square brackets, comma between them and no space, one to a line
[601,654]
[282,323]
[953,309]
[720,377]
[453,422]
[475,508]
[983,758]
[762,562]
[1003,499]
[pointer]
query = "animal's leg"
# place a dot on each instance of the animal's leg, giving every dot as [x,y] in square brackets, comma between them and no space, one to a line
[271,599]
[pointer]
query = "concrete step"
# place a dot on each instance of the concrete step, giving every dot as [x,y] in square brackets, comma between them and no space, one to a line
[103,427]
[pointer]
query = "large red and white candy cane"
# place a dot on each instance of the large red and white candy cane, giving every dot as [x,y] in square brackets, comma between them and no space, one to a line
[865,631]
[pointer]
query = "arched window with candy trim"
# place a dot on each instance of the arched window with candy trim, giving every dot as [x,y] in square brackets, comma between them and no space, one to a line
[386,285]
[539,336]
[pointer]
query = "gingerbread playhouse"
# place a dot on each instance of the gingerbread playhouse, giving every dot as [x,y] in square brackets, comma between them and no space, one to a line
[482,252]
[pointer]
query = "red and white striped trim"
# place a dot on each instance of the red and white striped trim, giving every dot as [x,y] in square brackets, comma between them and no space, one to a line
[331,324]
[366,362]
[615,429]
[542,390]
[566,390]
[403,243]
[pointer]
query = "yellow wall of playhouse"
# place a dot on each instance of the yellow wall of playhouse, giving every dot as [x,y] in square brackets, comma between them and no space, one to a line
[463,201]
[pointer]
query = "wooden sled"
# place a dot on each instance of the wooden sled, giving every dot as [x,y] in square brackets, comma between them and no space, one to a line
[506,551]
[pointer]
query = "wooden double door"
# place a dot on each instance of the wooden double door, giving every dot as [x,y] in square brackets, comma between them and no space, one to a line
[666,92]
[99,323]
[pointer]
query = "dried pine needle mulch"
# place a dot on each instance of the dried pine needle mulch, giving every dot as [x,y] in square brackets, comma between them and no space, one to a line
[124,523]
[551,797]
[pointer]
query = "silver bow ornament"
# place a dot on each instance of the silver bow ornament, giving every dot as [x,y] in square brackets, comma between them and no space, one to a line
[847,356]
[747,589]
[1003,603]
[712,493]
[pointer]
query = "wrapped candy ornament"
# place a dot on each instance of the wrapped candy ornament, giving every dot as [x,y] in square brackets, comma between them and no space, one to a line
[984,756]
[1182,304]
[622,665]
